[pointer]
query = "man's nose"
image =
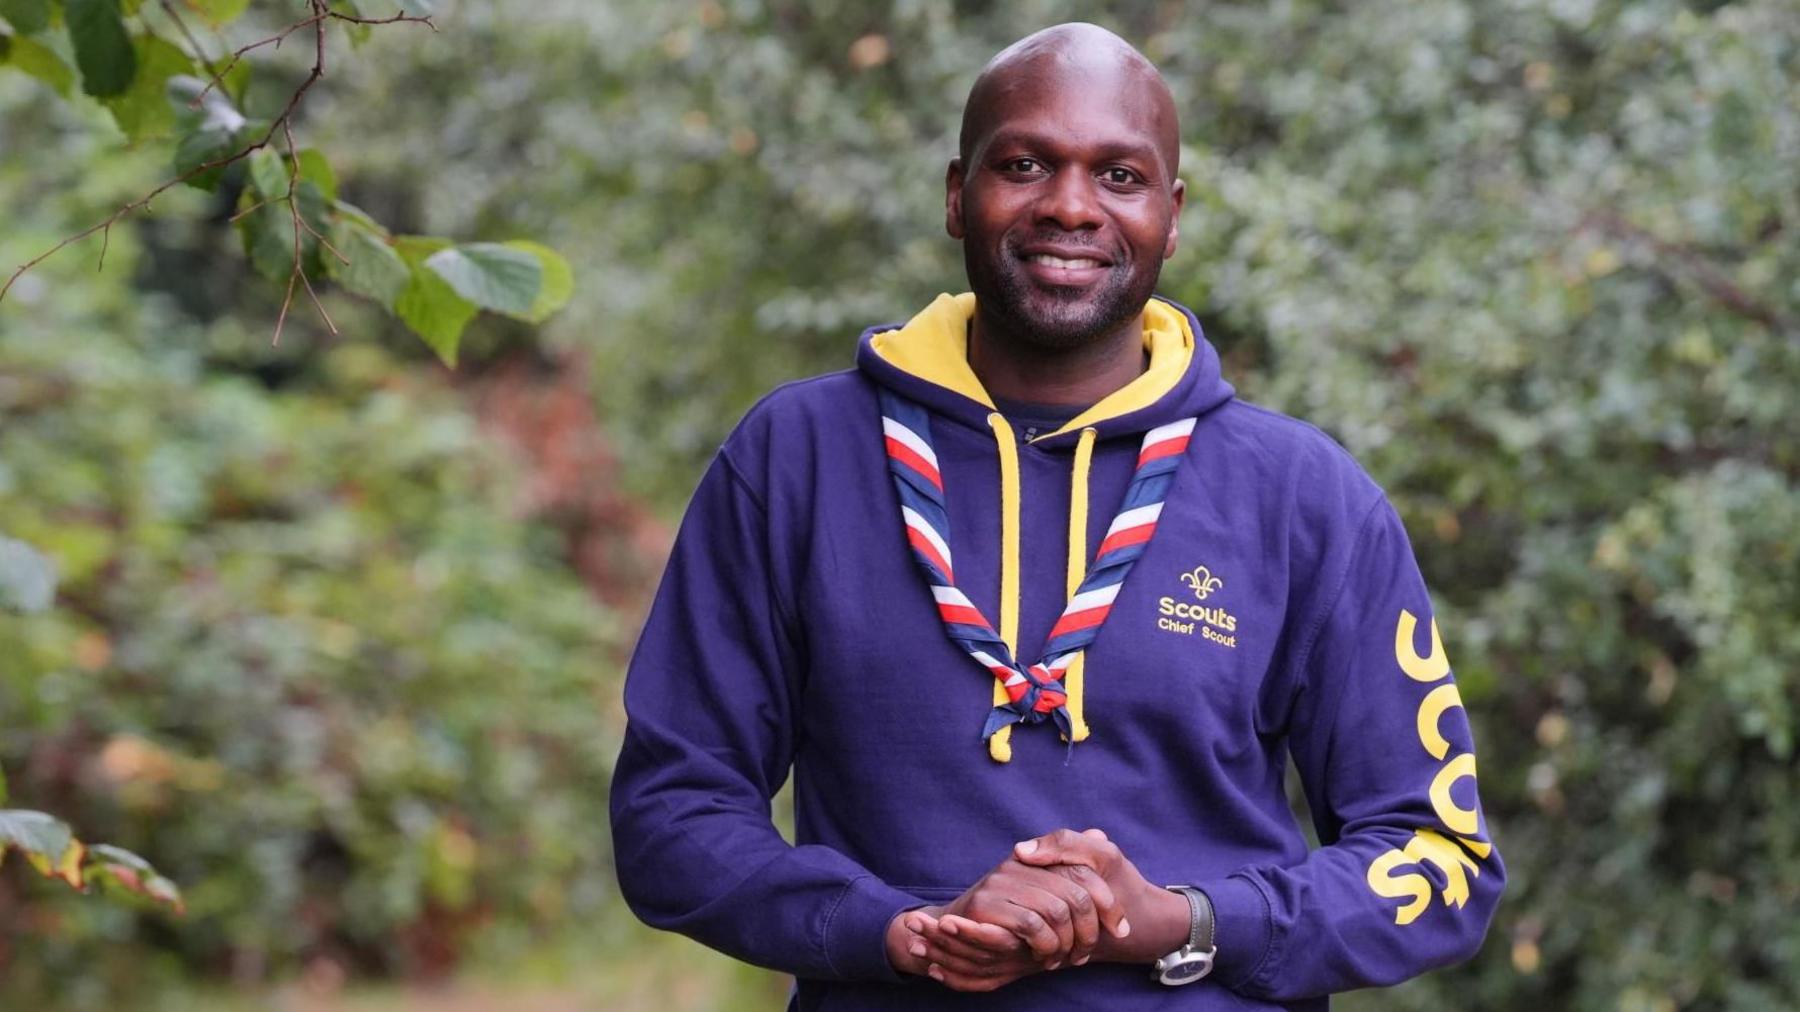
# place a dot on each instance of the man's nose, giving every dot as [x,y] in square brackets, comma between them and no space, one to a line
[1070,201]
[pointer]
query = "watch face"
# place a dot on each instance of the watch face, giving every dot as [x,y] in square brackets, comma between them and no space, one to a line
[1185,971]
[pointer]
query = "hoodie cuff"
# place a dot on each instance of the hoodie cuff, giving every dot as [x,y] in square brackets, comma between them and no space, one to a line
[1241,929]
[856,929]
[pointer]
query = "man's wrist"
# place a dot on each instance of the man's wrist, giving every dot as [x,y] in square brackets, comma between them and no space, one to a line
[1160,921]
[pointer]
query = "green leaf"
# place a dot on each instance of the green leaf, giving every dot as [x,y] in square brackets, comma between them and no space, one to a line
[212,130]
[558,284]
[350,212]
[39,61]
[374,270]
[143,110]
[268,238]
[218,12]
[412,248]
[433,310]
[358,33]
[120,868]
[27,578]
[2,787]
[28,16]
[198,148]
[214,112]
[316,170]
[66,866]
[102,46]
[428,305]
[269,173]
[268,231]
[34,833]
[312,208]
[491,275]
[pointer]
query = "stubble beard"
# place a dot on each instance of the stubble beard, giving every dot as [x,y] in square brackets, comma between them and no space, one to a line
[1051,319]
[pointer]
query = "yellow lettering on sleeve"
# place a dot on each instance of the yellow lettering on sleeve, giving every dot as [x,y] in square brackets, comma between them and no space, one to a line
[1419,669]
[1431,709]
[1461,821]
[1385,883]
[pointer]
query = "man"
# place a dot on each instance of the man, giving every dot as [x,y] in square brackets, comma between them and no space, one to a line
[1032,569]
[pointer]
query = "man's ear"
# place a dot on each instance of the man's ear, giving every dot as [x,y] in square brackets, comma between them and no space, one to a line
[1179,193]
[953,188]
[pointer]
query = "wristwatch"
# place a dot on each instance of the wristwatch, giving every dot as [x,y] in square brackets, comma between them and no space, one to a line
[1195,959]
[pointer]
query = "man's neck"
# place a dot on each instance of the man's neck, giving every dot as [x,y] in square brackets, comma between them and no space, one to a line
[1014,370]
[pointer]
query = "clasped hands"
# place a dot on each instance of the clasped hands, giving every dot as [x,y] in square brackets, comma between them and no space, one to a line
[1062,899]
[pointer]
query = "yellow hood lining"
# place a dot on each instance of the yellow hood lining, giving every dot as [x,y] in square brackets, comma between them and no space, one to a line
[934,346]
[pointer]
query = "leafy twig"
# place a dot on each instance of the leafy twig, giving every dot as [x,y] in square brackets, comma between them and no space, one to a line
[199,50]
[294,212]
[321,14]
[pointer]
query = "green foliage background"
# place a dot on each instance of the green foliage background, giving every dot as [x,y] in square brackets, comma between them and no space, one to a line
[1533,262]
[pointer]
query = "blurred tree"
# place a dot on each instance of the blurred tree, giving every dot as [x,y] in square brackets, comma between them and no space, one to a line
[28,584]
[311,653]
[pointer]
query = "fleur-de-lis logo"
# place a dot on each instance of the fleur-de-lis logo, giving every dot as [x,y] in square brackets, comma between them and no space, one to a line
[1202,582]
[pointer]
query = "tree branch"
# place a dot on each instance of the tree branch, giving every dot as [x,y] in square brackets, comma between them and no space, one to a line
[321,14]
[1715,283]
[294,212]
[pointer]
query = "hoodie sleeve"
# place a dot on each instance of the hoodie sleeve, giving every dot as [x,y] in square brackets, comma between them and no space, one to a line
[711,699]
[1407,879]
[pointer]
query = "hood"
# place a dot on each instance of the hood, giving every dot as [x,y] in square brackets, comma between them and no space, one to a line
[927,360]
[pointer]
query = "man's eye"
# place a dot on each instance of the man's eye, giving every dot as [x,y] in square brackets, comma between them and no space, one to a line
[1122,177]
[1027,165]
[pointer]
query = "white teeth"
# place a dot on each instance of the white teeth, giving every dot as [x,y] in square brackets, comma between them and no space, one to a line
[1050,261]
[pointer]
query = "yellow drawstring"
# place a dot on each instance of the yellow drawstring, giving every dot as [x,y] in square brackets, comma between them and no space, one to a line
[1078,563]
[1000,744]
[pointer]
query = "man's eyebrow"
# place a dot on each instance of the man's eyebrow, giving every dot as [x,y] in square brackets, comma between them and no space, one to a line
[1115,148]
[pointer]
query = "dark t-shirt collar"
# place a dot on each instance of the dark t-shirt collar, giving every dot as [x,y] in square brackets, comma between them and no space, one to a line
[1033,419]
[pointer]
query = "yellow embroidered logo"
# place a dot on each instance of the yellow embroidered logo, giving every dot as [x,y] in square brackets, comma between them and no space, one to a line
[1202,582]
[1215,624]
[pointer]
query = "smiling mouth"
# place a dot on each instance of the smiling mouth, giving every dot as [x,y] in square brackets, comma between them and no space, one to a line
[1080,263]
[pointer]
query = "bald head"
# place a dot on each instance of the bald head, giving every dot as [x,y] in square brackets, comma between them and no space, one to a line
[1066,196]
[1077,55]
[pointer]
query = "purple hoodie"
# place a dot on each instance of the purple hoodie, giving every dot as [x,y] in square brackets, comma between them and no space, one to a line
[1276,610]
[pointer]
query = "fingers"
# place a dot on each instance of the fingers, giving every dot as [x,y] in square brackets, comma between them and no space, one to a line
[1066,906]
[947,952]
[1084,919]
[1065,846]
[988,936]
[975,943]
[1044,920]
[1028,921]
[967,955]
[1107,909]
[968,982]
[918,921]
[1066,850]
[960,954]
[1055,913]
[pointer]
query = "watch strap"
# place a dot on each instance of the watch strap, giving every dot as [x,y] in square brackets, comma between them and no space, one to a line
[1201,927]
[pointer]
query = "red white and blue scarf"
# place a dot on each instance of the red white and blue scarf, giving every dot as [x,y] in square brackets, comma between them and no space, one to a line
[1033,691]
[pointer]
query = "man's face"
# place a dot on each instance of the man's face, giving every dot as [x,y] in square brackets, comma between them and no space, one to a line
[1067,206]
